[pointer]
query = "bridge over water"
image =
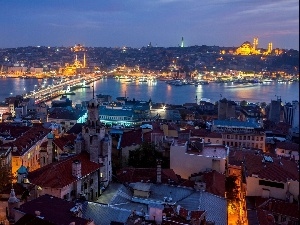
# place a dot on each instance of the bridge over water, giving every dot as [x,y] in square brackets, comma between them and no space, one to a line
[64,86]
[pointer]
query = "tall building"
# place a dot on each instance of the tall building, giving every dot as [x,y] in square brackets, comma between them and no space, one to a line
[291,113]
[182,43]
[96,142]
[226,109]
[274,111]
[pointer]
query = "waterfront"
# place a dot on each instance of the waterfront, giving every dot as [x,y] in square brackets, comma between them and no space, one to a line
[161,92]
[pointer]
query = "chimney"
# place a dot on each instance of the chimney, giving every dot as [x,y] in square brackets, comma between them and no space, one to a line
[158,171]
[76,168]
[201,146]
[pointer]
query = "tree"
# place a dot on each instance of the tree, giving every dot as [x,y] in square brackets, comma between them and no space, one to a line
[231,187]
[145,156]
[263,105]
[243,103]
[5,177]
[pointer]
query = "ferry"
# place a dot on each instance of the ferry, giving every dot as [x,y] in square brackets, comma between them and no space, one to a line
[243,85]
[267,80]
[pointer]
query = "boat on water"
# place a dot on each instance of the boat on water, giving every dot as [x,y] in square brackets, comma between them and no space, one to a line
[243,85]
[267,80]
[175,82]
[143,79]
[84,85]
[69,93]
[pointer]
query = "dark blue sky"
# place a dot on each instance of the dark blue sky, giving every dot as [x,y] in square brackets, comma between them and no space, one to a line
[136,23]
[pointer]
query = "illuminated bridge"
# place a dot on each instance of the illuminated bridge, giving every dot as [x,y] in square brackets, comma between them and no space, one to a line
[65,86]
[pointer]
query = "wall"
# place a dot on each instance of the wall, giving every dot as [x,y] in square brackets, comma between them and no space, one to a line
[254,189]
[185,164]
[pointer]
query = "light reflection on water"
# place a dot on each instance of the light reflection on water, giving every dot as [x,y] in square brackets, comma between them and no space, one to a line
[164,93]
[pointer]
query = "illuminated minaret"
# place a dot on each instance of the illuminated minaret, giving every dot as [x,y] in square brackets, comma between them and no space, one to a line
[270,47]
[182,45]
[84,60]
[255,43]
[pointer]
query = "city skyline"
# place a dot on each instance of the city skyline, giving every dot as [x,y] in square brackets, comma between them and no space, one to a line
[162,23]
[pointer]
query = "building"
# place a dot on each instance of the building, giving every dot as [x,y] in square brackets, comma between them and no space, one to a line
[197,157]
[125,112]
[287,150]
[275,110]
[266,176]
[241,134]
[96,142]
[25,145]
[66,116]
[156,204]
[291,114]
[69,179]
[226,109]
[50,210]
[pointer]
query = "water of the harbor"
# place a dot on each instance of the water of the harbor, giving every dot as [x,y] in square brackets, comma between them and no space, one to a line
[161,92]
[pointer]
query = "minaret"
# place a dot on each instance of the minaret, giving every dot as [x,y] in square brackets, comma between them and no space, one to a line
[84,60]
[270,47]
[182,43]
[255,43]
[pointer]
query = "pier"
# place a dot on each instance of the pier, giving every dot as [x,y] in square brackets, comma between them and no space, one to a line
[64,86]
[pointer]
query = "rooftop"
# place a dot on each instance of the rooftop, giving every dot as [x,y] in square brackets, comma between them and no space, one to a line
[59,174]
[58,213]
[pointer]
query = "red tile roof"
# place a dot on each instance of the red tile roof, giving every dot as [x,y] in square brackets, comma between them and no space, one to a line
[287,146]
[215,183]
[29,138]
[131,137]
[264,217]
[279,170]
[59,174]
[64,140]
[276,206]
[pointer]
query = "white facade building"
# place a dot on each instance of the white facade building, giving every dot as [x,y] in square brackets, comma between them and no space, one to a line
[187,159]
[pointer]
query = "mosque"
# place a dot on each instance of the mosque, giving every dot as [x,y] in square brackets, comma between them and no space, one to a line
[78,66]
[252,49]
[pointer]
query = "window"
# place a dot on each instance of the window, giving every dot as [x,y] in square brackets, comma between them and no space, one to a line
[271,184]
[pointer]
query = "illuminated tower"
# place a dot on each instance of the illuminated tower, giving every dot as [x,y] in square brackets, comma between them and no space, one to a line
[182,44]
[84,60]
[255,43]
[270,47]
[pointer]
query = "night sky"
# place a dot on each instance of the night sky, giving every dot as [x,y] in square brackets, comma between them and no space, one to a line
[136,23]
